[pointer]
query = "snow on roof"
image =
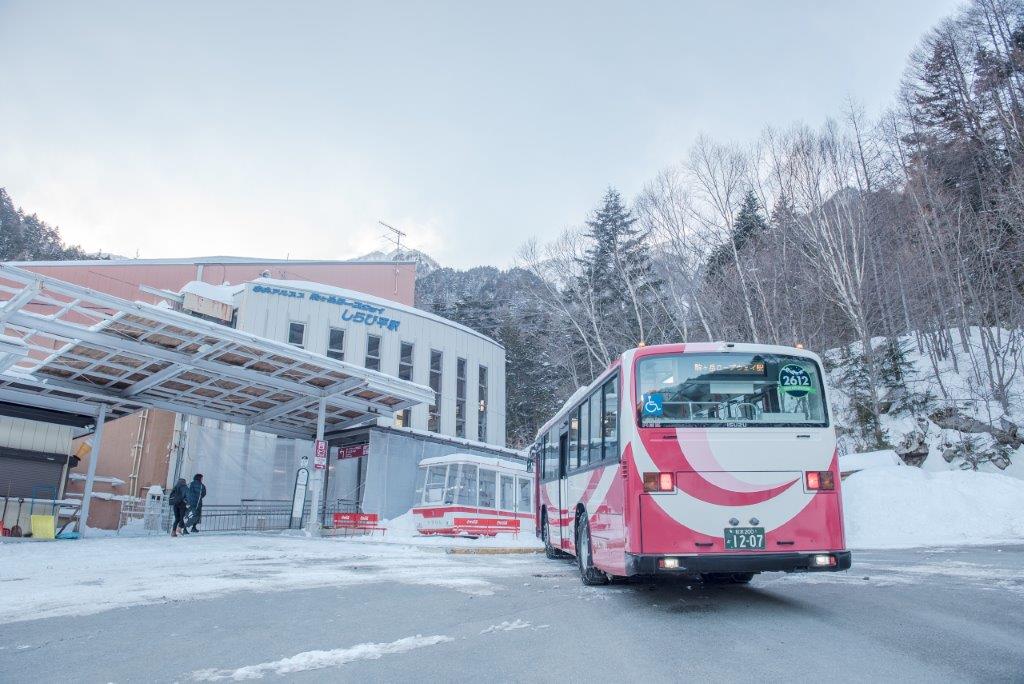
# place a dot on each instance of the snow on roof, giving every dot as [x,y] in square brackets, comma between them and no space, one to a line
[108,479]
[362,296]
[225,294]
[459,440]
[491,461]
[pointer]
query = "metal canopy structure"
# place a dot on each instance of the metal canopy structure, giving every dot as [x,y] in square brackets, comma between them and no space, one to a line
[73,350]
[81,345]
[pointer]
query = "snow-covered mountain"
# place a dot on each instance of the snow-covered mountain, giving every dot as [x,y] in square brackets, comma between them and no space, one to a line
[425,264]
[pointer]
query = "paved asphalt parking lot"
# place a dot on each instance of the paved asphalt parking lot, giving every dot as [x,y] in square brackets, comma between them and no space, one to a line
[913,615]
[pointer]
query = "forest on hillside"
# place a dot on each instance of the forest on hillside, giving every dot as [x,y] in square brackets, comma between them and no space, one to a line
[879,239]
[26,237]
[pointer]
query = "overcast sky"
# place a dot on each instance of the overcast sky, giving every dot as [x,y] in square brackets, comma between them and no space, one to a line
[278,128]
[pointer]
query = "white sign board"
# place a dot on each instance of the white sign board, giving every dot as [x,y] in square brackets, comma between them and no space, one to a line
[320,454]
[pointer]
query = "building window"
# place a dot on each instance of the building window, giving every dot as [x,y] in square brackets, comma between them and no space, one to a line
[434,413]
[373,352]
[297,334]
[404,417]
[460,397]
[481,412]
[336,344]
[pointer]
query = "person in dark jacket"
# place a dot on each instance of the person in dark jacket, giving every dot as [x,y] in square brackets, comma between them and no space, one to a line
[179,504]
[196,494]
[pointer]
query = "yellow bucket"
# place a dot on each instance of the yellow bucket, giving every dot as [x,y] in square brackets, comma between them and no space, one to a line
[43,527]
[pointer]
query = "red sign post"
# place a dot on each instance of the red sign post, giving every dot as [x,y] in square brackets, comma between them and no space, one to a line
[320,454]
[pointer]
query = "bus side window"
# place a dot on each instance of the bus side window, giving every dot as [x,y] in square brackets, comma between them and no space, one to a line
[467,489]
[488,484]
[508,493]
[573,459]
[524,493]
[595,427]
[611,420]
[551,459]
[450,483]
[584,454]
[433,488]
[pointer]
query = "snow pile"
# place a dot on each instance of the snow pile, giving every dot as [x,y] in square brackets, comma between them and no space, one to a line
[403,530]
[507,626]
[849,463]
[316,660]
[901,507]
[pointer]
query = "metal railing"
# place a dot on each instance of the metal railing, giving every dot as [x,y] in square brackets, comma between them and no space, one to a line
[251,515]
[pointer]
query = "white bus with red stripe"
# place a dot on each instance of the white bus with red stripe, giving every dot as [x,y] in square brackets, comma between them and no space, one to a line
[469,495]
[711,459]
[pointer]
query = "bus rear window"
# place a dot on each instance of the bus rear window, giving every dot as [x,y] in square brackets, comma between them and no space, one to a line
[729,390]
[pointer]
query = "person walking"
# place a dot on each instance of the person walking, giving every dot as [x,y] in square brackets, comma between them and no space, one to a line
[179,504]
[196,494]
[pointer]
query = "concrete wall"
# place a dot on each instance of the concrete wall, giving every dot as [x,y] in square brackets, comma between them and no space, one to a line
[122,278]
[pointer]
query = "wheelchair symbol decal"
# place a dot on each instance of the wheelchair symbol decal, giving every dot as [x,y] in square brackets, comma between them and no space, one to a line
[653,405]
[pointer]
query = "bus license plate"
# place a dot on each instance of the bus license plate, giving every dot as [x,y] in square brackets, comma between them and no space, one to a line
[744,538]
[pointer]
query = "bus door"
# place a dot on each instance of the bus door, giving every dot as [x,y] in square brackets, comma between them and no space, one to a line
[563,491]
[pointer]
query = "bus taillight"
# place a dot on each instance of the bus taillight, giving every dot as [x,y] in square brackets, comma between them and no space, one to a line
[821,480]
[658,482]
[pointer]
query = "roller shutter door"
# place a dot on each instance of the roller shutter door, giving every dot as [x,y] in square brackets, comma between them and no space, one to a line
[23,471]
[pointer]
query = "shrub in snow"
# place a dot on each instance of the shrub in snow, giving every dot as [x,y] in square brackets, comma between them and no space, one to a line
[970,451]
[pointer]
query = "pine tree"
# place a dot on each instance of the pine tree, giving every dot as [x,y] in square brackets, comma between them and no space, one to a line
[747,227]
[617,269]
[25,237]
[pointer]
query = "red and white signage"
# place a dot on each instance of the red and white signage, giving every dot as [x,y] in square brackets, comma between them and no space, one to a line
[353,451]
[320,454]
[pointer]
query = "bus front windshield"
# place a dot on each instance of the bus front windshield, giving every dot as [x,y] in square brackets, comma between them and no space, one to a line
[732,389]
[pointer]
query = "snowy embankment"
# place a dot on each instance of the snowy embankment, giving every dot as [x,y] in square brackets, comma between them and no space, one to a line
[905,507]
[62,578]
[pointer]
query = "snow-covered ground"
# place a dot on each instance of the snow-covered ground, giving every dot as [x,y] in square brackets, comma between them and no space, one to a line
[905,507]
[49,579]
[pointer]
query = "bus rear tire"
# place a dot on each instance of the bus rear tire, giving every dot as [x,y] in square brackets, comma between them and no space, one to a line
[590,575]
[549,550]
[727,578]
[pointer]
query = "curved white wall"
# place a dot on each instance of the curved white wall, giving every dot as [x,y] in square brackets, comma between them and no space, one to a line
[267,307]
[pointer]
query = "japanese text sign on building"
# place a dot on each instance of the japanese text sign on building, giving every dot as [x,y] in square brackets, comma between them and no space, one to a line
[353,451]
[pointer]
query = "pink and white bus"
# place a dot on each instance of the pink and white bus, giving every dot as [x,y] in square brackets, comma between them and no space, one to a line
[466,495]
[712,459]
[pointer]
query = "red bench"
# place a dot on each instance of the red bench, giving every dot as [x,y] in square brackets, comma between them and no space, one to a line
[485,526]
[367,523]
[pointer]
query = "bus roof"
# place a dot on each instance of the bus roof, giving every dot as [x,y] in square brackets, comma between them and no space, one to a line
[487,461]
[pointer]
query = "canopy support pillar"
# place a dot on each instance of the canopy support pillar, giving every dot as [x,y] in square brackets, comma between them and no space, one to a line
[317,481]
[90,478]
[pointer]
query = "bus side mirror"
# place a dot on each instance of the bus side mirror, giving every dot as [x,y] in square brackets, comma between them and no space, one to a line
[529,464]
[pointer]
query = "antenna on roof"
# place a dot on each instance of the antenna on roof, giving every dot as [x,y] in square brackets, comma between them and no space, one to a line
[394,237]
